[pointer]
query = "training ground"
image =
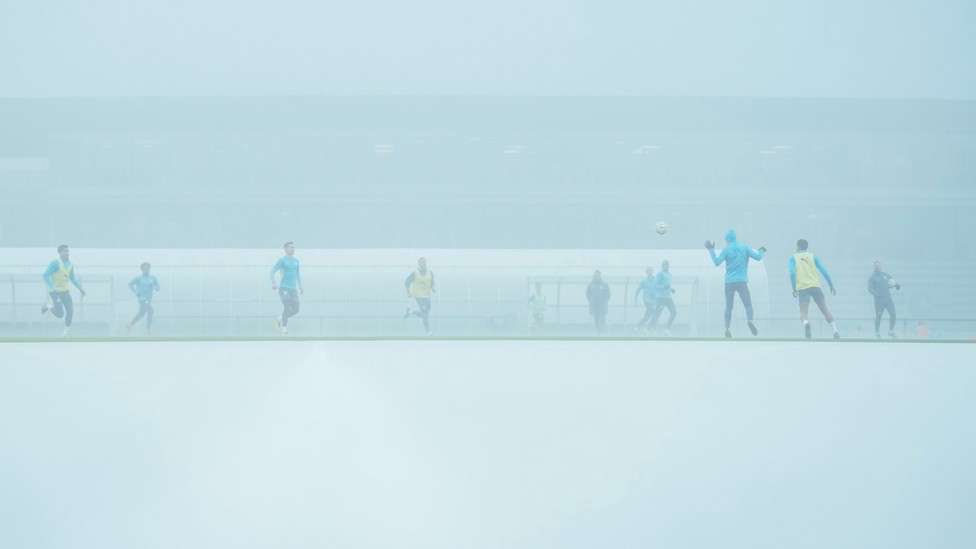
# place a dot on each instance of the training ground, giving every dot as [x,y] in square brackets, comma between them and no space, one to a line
[479,443]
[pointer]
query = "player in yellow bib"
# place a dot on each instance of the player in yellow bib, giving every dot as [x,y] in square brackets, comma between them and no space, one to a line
[804,267]
[61,271]
[420,287]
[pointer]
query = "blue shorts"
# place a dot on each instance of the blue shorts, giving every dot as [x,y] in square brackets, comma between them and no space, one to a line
[288,294]
[806,293]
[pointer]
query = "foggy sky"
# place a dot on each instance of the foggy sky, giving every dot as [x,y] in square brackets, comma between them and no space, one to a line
[834,48]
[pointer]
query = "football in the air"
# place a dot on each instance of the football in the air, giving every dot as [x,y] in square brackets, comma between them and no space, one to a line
[661,227]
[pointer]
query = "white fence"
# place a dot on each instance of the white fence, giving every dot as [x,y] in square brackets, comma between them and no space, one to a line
[361,292]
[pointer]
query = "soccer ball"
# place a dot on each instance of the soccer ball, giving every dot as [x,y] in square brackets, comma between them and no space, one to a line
[892,283]
[661,227]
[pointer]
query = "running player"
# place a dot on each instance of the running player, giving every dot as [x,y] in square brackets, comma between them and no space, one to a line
[736,257]
[143,286]
[289,286]
[59,272]
[420,287]
[663,300]
[646,288]
[806,286]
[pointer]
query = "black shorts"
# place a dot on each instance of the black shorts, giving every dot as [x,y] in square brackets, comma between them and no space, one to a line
[288,294]
[807,293]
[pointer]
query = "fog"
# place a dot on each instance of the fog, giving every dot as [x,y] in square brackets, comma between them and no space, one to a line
[524,444]
[489,125]
[832,48]
[508,144]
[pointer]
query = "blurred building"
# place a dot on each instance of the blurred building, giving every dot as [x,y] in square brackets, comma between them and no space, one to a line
[858,178]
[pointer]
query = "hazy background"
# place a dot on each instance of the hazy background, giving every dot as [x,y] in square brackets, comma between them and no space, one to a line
[499,125]
[424,125]
[833,48]
[489,124]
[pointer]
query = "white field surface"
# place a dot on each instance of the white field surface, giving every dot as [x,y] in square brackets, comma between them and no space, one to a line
[487,444]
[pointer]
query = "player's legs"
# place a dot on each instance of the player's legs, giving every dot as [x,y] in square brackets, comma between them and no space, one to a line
[729,295]
[57,307]
[804,309]
[890,306]
[746,298]
[599,315]
[139,315]
[804,301]
[672,311]
[648,314]
[821,302]
[149,316]
[423,303]
[879,307]
[289,303]
[657,313]
[290,310]
[285,313]
[69,308]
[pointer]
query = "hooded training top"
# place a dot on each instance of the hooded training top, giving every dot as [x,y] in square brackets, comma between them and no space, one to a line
[736,257]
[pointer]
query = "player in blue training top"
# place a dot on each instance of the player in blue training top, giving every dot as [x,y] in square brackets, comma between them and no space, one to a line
[806,285]
[60,271]
[289,286]
[143,286]
[646,289]
[736,257]
[663,291]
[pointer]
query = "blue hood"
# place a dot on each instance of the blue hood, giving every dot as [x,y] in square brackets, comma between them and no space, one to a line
[730,236]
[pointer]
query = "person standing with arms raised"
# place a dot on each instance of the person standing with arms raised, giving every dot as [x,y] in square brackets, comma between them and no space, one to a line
[736,257]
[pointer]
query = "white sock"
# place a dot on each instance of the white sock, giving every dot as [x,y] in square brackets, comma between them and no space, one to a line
[834,326]
[805,322]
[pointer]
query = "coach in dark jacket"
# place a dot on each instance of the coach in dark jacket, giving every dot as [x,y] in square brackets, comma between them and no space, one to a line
[598,294]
